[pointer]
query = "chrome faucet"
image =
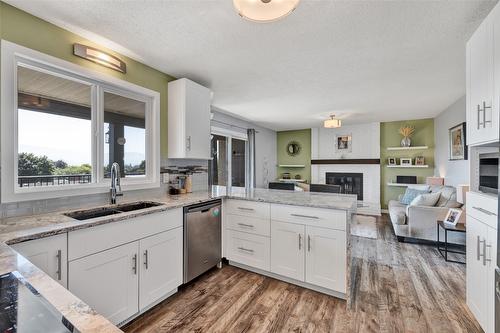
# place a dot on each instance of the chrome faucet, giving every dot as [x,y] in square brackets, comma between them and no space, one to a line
[115,183]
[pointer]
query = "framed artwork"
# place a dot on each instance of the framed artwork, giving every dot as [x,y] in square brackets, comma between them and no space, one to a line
[419,160]
[457,146]
[391,161]
[405,161]
[453,216]
[343,143]
[293,148]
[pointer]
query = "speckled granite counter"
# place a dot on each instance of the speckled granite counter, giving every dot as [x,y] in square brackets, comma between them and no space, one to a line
[18,229]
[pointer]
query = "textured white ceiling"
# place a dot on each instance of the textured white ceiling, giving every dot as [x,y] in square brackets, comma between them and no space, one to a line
[363,60]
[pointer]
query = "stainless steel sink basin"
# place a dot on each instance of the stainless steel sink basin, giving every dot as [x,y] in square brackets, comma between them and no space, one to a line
[87,214]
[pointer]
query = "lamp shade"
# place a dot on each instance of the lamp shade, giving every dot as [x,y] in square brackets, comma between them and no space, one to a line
[461,193]
[434,181]
[332,122]
[264,10]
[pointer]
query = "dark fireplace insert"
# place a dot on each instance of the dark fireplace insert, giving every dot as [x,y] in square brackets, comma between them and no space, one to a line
[350,183]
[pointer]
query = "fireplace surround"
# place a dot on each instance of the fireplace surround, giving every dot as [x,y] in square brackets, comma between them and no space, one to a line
[350,183]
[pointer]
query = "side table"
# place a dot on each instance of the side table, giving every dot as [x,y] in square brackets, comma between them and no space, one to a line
[445,250]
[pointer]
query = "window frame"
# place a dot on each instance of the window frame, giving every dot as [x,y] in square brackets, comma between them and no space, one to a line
[14,55]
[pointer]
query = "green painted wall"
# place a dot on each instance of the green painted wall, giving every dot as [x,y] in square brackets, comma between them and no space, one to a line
[27,30]
[390,137]
[303,137]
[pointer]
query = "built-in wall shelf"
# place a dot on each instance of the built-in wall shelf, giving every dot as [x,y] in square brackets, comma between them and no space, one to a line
[283,180]
[408,148]
[407,166]
[291,165]
[402,184]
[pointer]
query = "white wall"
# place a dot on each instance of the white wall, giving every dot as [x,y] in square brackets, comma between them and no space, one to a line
[365,141]
[265,146]
[454,172]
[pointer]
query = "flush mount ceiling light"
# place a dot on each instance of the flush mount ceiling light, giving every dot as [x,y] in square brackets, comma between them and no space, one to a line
[99,57]
[332,122]
[264,10]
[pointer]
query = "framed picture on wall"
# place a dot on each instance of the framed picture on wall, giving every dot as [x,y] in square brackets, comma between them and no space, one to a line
[457,143]
[405,161]
[391,161]
[343,143]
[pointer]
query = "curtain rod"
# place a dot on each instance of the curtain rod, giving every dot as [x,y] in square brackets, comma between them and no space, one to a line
[231,125]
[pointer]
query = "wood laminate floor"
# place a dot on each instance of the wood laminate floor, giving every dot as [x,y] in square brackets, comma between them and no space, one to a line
[398,287]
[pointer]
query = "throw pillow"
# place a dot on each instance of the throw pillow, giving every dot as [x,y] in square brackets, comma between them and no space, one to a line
[427,199]
[411,194]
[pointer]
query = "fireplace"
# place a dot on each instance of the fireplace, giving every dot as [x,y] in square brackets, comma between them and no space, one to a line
[350,183]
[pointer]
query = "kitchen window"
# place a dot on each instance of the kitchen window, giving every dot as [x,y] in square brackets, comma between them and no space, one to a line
[63,126]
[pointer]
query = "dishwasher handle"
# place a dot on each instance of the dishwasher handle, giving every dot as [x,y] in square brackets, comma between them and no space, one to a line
[202,207]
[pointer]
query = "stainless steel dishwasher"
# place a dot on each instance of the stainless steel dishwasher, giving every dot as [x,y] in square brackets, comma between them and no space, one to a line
[202,238]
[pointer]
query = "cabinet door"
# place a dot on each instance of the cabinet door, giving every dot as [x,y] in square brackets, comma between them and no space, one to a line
[197,121]
[287,249]
[496,73]
[161,266]
[476,272]
[108,281]
[326,258]
[491,259]
[49,254]
[480,85]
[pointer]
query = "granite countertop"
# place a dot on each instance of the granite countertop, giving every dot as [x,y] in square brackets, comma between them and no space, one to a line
[17,229]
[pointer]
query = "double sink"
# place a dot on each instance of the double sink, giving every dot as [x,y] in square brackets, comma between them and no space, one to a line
[91,213]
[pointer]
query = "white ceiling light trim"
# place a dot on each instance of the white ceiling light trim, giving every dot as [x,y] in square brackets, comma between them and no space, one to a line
[332,122]
[265,10]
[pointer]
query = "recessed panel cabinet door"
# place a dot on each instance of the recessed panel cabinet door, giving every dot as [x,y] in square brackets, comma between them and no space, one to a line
[326,258]
[48,254]
[108,281]
[161,265]
[287,249]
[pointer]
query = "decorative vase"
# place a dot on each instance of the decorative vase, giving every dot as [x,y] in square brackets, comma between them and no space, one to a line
[405,142]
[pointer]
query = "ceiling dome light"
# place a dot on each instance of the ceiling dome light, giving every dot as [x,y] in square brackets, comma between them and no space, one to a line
[332,122]
[264,10]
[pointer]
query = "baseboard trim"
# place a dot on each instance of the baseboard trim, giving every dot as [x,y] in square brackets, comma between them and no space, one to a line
[289,280]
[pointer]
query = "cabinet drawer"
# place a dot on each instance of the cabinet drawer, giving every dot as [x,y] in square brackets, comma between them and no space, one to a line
[318,217]
[88,241]
[247,208]
[483,208]
[248,224]
[247,249]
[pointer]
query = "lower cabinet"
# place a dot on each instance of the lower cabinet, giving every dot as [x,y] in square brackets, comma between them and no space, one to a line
[480,276]
[287,249]
[247,249]
[161,266]
[48,254]
[108,281]
[122,281]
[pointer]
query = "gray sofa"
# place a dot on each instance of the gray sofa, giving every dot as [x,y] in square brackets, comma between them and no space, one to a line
[420,222]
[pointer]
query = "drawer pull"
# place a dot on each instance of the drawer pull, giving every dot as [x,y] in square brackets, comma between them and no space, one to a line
[246,250]
[300,241]
[59,264]
[246,225]
[146,259]
[308,243]
[247,209]
[305,216]
[484,211]
[134,264]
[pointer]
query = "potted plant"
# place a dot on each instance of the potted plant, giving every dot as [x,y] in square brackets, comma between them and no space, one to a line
[406,131]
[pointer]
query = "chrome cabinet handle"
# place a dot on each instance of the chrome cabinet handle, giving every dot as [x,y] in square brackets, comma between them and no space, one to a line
[246,250]
[300,241]
[482,210]
[188,142]
[246,225]
[245,208]
[484,114]
[134,265]
[305,216]
[146,264]
[479,116]
[59,264]
[479,241]
[484,253]
[308,243]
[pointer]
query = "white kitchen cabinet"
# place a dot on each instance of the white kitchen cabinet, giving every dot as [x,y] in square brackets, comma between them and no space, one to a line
[247,249]
[161,266]
[188,120]
[48,254]
[483,57]
[287,249]
[481,261]
[108,281]
[326,258]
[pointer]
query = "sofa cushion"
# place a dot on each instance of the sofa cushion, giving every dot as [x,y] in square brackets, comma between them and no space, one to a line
[411,194]
[448,196]
[397,212]
[426,199]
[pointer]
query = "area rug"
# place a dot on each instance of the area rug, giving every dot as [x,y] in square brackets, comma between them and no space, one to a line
[364,226]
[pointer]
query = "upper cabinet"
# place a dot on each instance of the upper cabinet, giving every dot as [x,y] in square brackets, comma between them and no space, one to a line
[188,120]
[483,81]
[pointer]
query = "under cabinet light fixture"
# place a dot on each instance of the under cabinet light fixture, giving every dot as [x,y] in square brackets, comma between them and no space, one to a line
[99,57]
